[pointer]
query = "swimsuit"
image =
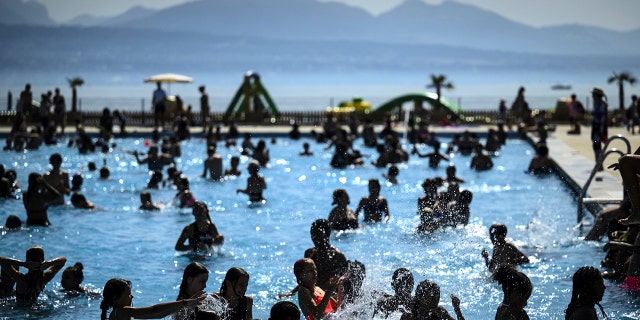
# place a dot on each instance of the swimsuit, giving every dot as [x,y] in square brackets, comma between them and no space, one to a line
[330,308]
[373,211]
[37,221]
[631,283]
[200,237]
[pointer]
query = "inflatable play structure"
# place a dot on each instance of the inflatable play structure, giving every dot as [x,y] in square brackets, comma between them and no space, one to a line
[357,104]
[418,99]
[251,97]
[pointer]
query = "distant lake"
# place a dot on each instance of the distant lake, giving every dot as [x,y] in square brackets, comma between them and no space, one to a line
[314,91]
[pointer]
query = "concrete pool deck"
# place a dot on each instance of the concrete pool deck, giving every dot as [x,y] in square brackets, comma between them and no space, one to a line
[572,153]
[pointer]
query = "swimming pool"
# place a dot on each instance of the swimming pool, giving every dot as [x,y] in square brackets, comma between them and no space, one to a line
[118,240]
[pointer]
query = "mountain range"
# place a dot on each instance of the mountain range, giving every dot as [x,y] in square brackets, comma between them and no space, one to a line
[304,35]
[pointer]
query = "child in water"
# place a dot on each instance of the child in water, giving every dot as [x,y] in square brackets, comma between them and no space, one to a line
[374,206]
[425,304]
[255,183]
[314,302]
[517,288]
[30,285]
[341,217]
[117,295]
[503,251]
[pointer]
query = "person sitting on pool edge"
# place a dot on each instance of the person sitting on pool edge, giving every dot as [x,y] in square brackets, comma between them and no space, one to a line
[255,183]
[503,251]
[341,217]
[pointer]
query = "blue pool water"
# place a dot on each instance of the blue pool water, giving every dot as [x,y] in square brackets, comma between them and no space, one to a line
[118,240]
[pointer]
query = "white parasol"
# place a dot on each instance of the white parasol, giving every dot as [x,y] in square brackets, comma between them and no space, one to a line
[169,78]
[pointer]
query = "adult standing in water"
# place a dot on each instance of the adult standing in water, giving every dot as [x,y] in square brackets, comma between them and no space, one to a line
[159,108]
[203,234]
[204,107]
[58,178]
[37,198]
[599,126]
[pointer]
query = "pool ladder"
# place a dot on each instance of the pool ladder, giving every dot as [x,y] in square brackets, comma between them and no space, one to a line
[583,193]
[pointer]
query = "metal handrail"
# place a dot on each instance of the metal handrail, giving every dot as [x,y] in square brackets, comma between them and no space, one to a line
[599,162]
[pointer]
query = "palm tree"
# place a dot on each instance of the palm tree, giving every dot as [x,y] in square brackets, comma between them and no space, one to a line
[73,83]
[620,79]
[440,82]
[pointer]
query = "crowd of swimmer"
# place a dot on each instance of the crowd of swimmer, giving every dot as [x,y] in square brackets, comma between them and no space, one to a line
[327,280]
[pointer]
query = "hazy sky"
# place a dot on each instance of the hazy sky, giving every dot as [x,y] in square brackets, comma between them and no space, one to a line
[611,14]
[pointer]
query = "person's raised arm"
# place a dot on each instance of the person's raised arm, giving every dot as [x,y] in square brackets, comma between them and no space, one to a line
[455,301]
[180,246]
[160,310]
[52,267]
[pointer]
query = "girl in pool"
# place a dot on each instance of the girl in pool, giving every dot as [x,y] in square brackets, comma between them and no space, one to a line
[232,290]
[202,234]
[425,304]
[117,295]
[517,288]
[194,281]
[72,277]
[36,200]
[29,285]
[503,251]
[375,205]
[588,289]
[314,302]
[341,217]
[255,183]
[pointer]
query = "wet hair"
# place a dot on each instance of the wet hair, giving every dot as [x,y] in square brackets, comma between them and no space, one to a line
[299,266]
[56,157]
[35,254]
[512,280]
[192,270]
[33,183]
[465,197]
[104,172]
[425,289]
[76,181]
[75,271]
[113,289]
[321,226]
[374,182]
[253,167]
[403,275]
[200,205]
[338,193]
[78,199]
[145,196]
[233,275]
[13,222]
[582,289]
[497,229]
[284,310]
[92,166]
